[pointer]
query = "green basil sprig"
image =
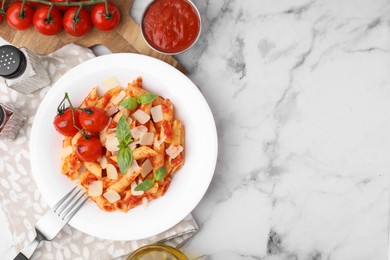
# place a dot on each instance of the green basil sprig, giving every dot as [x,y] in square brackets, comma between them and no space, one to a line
[125,155]
[132,102]
[148,183]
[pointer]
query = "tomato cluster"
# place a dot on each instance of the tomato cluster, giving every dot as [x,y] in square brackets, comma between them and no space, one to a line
[49,20]
[90,121]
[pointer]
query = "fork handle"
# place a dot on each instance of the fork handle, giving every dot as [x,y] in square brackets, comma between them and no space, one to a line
[27,252]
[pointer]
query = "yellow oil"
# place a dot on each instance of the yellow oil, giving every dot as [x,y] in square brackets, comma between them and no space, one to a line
[157,252]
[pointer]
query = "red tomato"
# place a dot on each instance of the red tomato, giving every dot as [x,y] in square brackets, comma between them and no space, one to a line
[77,26]
[88,150]
[63,123]
[61,1]
[102,20]
[47,25]
[93,119]
[19,20]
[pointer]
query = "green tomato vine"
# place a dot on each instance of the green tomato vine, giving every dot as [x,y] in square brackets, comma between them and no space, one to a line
[76,18]
[66,3]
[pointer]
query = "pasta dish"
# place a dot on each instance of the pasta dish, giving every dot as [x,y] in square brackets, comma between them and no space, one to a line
[123,146]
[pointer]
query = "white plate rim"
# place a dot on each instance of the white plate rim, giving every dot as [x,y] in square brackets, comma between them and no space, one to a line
[151,65]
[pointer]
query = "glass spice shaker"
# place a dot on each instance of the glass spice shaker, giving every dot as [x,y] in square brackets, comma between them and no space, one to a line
[10,122]
[22,70]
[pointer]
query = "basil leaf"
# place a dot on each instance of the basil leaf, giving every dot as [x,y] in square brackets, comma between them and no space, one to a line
[160,174]
[146,98]
[129,103]
[125,158]
[122,145]
[123,132]
[145,185]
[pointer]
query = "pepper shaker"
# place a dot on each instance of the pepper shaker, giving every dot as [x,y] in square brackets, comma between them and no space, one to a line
[22,70]
[10,122]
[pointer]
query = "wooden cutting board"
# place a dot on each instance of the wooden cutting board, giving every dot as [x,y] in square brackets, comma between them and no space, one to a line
[126,37]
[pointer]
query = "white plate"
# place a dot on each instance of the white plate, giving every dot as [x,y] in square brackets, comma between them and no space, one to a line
[188,185]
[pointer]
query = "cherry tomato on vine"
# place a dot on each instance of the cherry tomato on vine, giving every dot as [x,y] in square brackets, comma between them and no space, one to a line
[18,19]
[76,26]
[93,119]
[63,123]
[105,21]
[45,24]
[89,149]
[61,1]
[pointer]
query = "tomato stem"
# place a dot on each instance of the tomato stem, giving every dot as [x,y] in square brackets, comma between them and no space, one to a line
[86,110]
[61,107]
[48,19]
[2,9]
[22,14]
[76,18]
[62,104]
[108,14]
[68,3]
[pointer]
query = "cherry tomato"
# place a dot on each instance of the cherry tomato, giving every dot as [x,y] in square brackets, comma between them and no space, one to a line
[19,20]
[93,119]
[102,20]
[61,1]
[47,25]
[63,123]
[88,150]
[77,26]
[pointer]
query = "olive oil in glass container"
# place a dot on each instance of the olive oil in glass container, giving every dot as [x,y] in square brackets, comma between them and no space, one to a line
[157,252]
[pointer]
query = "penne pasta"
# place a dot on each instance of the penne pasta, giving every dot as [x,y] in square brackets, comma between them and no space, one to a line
[176,132]
[124,182]
[103,204]
[94,168]
[166,132]
[143,152]
[146,108]
[167,109]
[103,101]
[135,89]
[91,99]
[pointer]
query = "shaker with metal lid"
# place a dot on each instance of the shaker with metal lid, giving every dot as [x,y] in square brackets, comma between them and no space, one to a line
[10,122]
[22,70]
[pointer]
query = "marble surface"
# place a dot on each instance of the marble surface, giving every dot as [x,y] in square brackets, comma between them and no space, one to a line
[300,91]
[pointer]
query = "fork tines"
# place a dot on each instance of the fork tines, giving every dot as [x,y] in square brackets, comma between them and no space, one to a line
[70,204]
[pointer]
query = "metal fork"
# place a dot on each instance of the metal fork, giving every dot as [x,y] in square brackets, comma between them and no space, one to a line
[54,220]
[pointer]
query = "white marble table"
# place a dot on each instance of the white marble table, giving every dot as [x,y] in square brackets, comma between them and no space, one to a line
[300,91]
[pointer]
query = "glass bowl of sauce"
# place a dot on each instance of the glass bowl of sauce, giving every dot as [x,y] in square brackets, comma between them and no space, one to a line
[171,26]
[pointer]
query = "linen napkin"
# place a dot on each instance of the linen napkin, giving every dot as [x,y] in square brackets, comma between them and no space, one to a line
[21,201]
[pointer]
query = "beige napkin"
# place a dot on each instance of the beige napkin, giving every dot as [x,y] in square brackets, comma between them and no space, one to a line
[22,202]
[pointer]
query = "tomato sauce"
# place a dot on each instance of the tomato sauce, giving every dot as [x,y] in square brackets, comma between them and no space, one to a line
[171,25]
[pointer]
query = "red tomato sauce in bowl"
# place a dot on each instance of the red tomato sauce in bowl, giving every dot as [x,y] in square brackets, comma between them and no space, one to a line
[171,26]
